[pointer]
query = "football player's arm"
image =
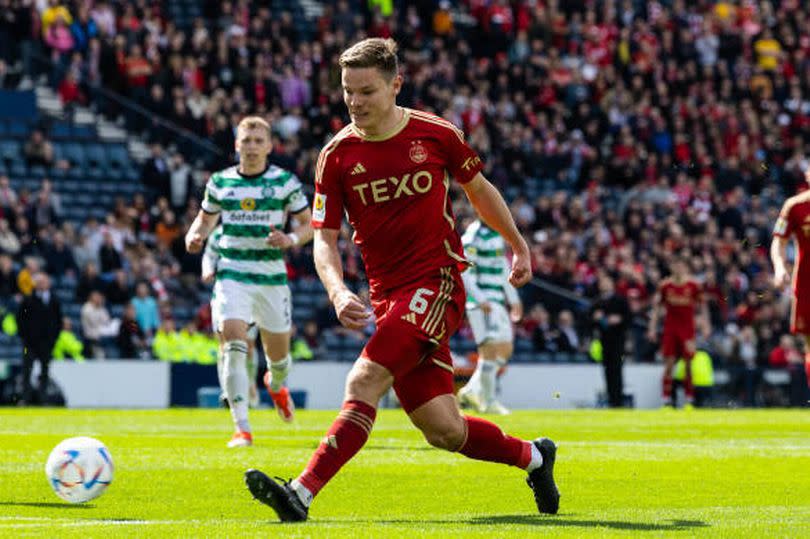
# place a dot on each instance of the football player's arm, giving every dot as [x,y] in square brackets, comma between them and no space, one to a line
[350,310]
[781,277]
[301,234]
[209,261]
[199,230]
[492,208]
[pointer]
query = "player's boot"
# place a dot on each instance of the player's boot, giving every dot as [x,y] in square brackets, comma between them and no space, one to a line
[281,399]
[241,439]
[280,497]
[497,408]
[470,399]
[541,480]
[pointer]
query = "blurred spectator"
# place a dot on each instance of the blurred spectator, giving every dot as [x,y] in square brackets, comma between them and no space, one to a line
[108,254]
[786,354]
[747,374]
[155,173]
[96,324]
[167,229]
[39,321]
[118,291]
[89,281]
[9,244]
[146,309]
[59,258]
[67,344]
[181,183]
[8,197]
[8,279]
[25,278]
[131,340]
[38,150]
[567,338]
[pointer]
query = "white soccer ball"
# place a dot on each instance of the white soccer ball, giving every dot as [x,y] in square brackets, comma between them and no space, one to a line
[79,469]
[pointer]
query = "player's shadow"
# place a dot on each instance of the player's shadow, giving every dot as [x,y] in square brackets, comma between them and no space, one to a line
[49,505]
[564,522]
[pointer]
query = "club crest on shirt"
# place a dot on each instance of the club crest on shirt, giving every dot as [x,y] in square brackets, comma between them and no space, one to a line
[418,153]
[248,204]
[268,191]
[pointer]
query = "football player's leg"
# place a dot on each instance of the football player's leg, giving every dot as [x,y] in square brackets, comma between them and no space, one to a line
[444,427]
[470,394]
[272,314]
[503,351]
[669,351]
[688,386]
[366,383]
[235,371]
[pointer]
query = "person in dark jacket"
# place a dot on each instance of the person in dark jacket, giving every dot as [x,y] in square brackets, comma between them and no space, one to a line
[39,321]
[611,318]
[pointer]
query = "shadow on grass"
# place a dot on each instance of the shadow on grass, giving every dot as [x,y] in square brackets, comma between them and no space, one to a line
[559,521]
[49,505]
[563,522]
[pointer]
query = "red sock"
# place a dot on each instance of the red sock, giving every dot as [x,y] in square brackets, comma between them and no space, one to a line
[688,387]
[667,388]
[344,439]
[486,441]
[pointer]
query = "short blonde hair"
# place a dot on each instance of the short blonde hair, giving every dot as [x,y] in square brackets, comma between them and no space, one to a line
[254,122]
[372,52]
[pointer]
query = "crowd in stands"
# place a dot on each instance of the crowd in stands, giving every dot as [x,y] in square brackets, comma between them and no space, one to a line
[623,132]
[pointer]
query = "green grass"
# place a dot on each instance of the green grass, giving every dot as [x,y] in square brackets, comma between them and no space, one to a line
[640,474]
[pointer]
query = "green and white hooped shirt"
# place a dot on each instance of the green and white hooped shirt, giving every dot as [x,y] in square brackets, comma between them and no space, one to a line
[251,207]
[488,279]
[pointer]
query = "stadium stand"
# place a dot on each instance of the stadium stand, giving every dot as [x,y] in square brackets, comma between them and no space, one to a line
[621,133]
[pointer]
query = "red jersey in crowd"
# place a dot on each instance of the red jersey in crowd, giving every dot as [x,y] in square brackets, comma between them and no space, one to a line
[680,302]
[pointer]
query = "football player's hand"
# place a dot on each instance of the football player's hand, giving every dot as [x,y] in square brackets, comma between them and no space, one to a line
[521,269]
[486,307]
[279,240]
[208,277]
[651,335]
[781,277]
[194,242]
[350,309]
[516,313]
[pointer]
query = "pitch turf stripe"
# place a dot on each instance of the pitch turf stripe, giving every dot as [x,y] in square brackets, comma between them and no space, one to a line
[363,418]
[274,279]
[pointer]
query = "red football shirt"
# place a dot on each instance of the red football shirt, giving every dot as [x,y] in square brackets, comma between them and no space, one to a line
[794,220]
[680,302]
[394,191]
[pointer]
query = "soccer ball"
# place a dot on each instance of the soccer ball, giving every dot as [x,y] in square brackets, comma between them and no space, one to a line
[79,469]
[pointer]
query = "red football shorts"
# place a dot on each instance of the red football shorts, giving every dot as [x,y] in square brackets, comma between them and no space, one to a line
[414,325]
[678,343]
[800,315]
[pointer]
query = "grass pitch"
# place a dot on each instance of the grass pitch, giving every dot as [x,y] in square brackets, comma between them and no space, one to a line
[640,474]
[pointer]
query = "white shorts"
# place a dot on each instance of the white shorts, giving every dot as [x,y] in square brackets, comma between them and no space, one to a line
[493,326]
[269,307]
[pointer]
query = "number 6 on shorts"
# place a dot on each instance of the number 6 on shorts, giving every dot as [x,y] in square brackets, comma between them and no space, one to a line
[418,303]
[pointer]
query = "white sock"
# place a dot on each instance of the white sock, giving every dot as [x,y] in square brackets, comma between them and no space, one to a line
[236,382]
[537,459]
[278,372]
[474,383]
[303,492]
[221,373]
[488,372]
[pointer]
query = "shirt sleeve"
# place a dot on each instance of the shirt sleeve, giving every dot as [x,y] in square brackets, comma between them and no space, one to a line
[783,228]
[327,207]
[210,202]
[296,200]
[463,162]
